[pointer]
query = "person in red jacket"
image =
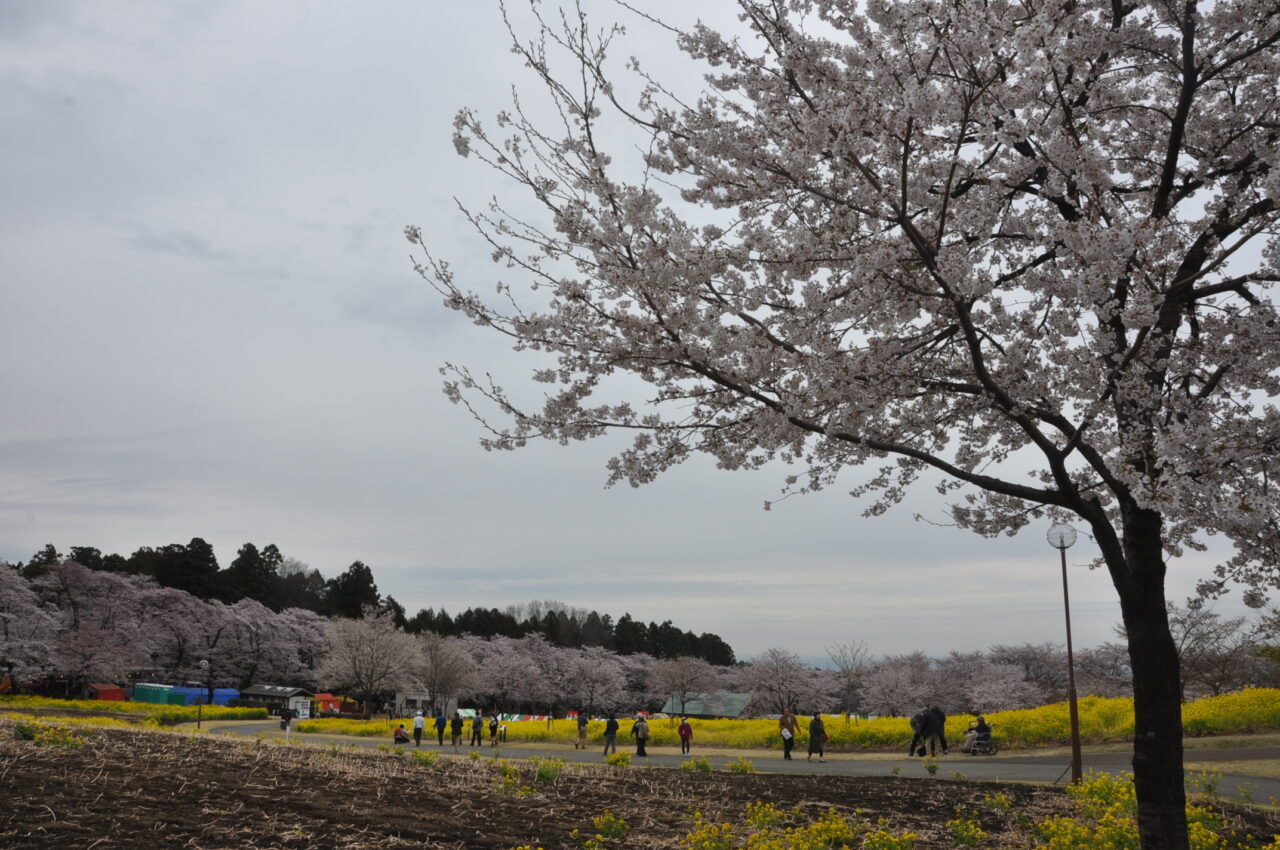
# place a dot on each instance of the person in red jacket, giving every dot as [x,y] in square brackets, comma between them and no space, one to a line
[686,735]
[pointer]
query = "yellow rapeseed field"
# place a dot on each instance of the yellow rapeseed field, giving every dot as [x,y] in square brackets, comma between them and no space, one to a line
[1101,720]
[160,715]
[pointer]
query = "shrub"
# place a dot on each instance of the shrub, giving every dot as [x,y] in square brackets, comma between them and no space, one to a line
[619,759]
[701,765]
[1106,817]
[965,832]
[709,836]
[882,839]
[762,816]
[425,758]
[610,825]
[740,765]
[999,801]
[1204,782]
[547,770]
[48,734]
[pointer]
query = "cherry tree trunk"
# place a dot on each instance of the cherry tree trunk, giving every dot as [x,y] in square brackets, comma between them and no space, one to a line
[1157,691]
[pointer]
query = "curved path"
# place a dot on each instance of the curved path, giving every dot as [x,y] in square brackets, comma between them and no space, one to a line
[1048,769]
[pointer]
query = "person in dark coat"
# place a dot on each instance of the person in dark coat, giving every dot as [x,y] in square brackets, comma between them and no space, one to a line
[611,735]
[817,737]
[921,723]
[440,724]
[455,726]
[980,730]
[937,731]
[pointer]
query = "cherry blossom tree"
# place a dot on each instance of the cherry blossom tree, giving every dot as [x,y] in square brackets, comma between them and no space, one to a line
[305,636]
[88,652]
[553,663]
[99,620]
[777,680]
[1216,654]
[1028,248]
[597,680]
[684,679]
[1104,671]
[506,673]
[899,685]
[27,626]
[173,627]
[447,669]
[369,657]
[848,661]
[1043,664]
[971,682]
[637,667]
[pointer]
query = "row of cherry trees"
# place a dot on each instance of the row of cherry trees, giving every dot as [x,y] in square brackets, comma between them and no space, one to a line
[372,656]
[266,576]
[91,624]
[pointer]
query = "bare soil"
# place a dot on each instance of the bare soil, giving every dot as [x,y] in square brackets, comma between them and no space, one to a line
[135,788]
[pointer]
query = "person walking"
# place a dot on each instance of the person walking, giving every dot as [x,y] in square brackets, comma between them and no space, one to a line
[440,724]
[640,731]
[787,726]
[477,729]
[611,735]
[581,742]
[817,737]
[686,736]
[493,729]
[455,727]
[419,723]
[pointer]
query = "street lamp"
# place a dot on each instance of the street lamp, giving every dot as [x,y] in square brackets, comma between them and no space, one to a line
[204,667]
[1063,537]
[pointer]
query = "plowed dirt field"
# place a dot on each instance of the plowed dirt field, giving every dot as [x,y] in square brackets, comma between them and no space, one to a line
[127,788]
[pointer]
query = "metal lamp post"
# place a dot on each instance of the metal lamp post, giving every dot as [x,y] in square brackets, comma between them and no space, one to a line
[204,667]
[1063,537]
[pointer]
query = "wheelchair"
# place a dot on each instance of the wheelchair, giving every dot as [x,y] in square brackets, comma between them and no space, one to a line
[985,745]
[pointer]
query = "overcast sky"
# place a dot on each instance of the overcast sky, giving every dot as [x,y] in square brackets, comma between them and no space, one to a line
[212,329]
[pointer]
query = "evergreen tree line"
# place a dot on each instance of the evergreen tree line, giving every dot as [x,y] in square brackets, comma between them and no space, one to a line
[266,576]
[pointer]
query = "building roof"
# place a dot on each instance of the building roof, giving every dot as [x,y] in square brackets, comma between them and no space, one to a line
[274,691]
[718,704]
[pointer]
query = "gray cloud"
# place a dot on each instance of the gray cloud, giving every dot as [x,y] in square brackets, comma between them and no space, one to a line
[179,243]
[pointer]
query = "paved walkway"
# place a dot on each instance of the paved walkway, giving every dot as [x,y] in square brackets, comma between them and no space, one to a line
[1048,769]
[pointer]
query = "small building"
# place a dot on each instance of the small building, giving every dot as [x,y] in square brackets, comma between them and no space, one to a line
[718,704]
[276,697]
[106,690]
[407,702]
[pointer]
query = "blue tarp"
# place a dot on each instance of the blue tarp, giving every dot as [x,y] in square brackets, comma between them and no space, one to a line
[191,695]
